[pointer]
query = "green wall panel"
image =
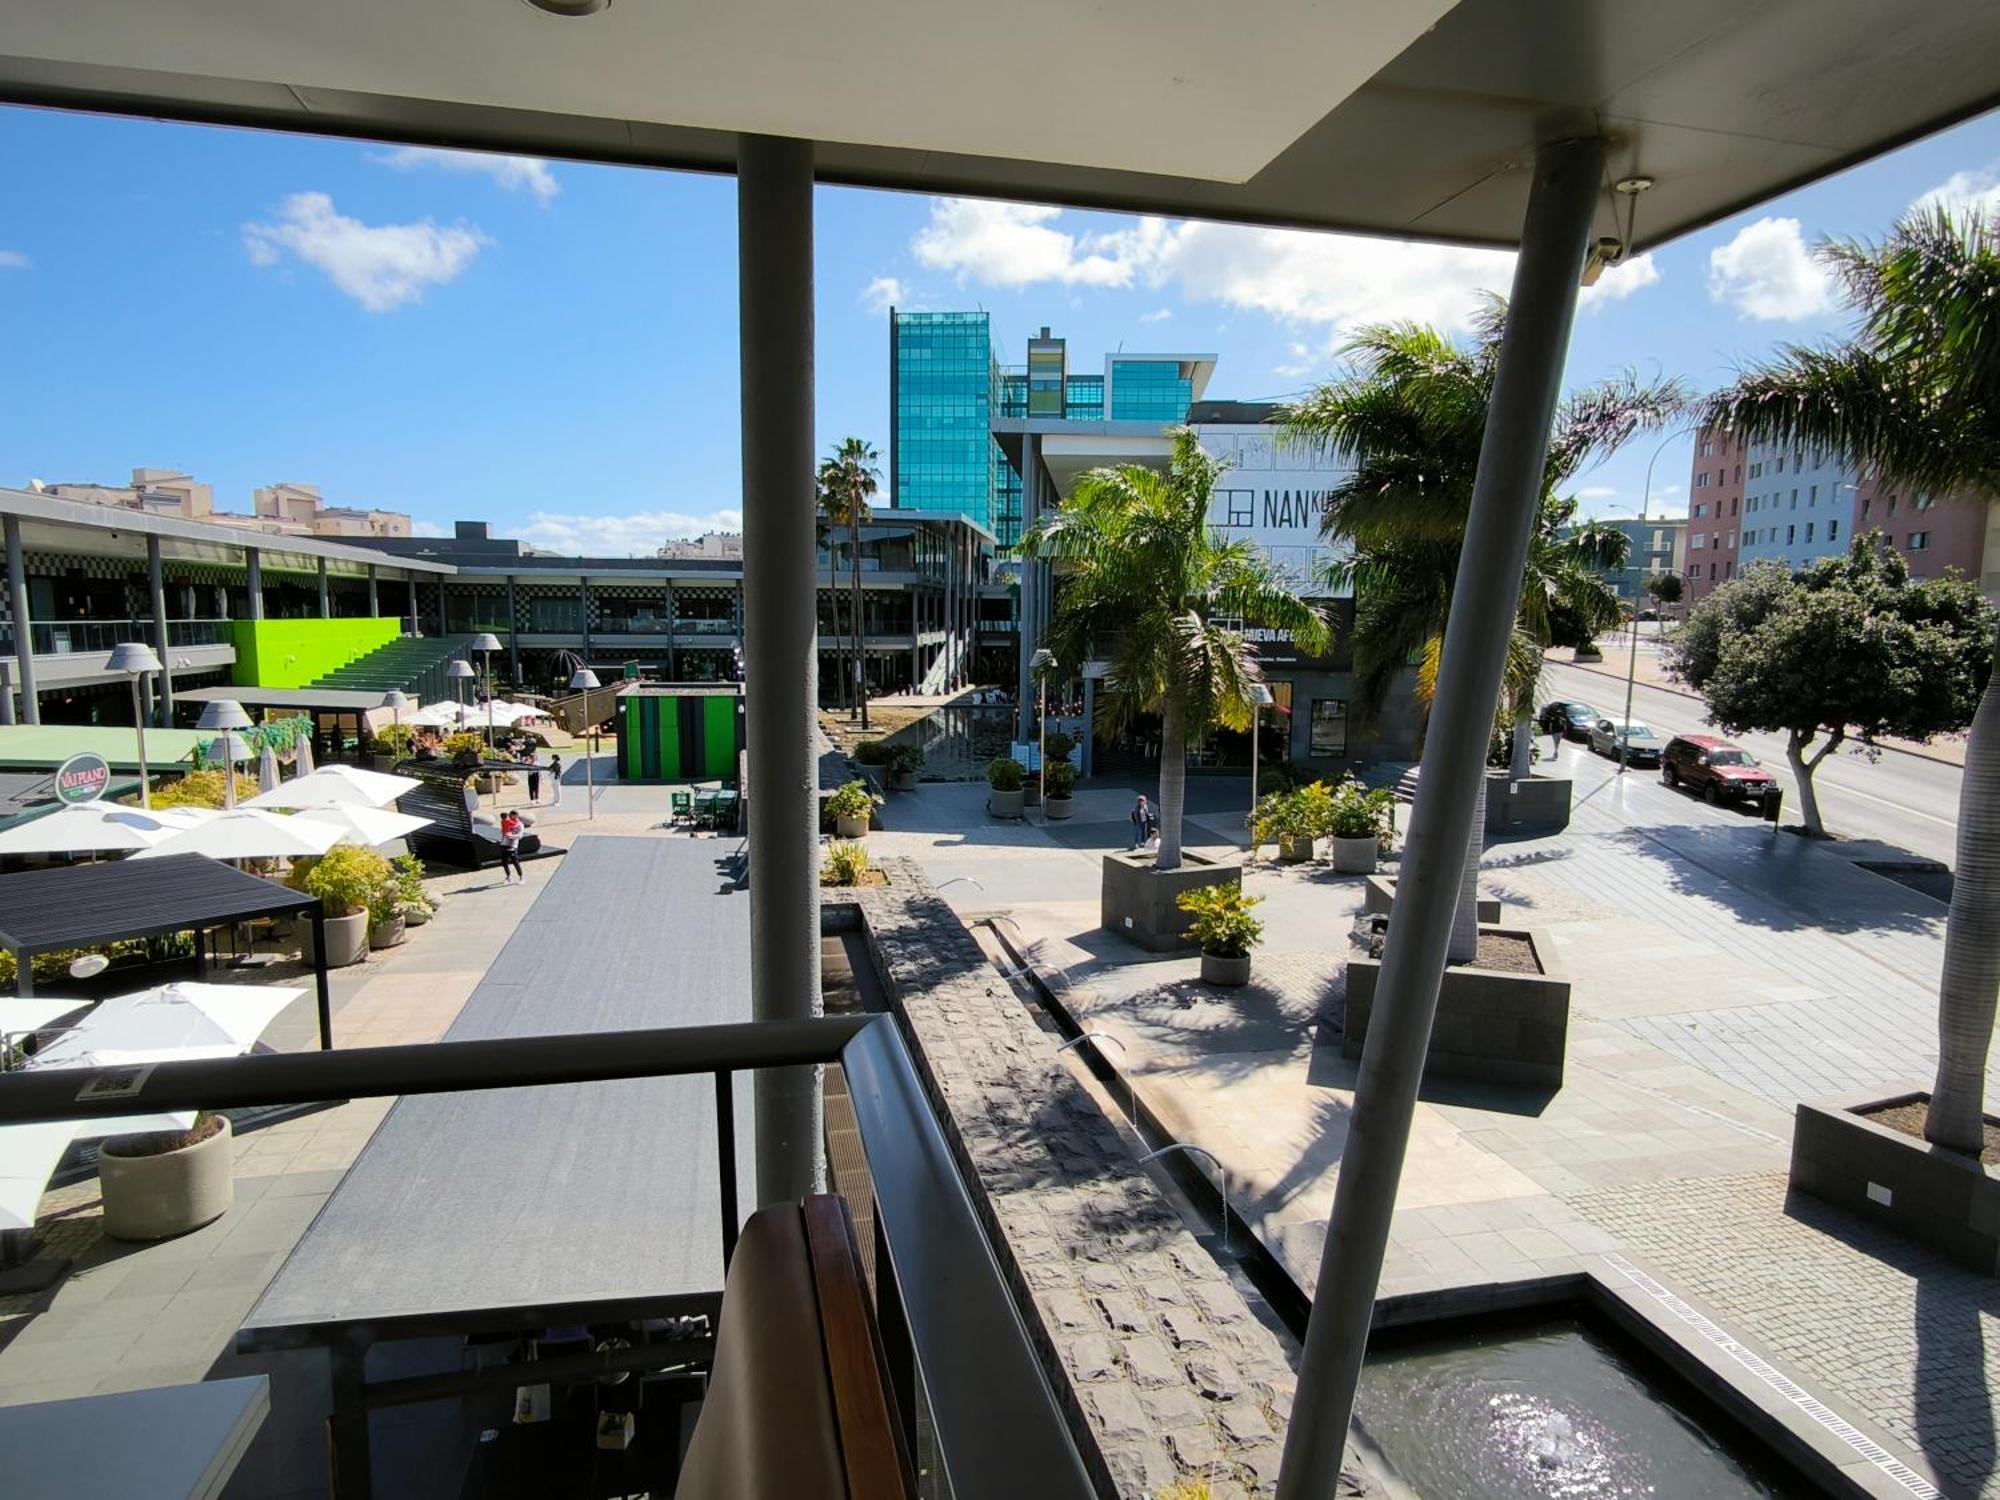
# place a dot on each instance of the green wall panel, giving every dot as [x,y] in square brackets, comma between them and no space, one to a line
[295,653]
[679,738]
[719,747]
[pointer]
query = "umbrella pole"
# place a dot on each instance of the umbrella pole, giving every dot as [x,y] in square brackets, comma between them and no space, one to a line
[319,978]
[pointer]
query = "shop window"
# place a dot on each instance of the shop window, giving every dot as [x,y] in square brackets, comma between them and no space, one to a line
[1328,729]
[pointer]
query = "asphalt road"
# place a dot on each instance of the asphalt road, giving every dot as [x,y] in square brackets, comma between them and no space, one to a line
[1901,799]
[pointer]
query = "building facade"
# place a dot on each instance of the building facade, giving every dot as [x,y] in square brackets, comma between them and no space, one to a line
[276,509]
[1653,545]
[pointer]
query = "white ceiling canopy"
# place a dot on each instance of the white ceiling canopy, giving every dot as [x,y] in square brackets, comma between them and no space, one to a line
[1183,86]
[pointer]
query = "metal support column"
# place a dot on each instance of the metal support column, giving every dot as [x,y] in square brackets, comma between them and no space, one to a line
[1554,235]
[1087,739]
[583,601]
[24,624]
[374,595]
[673,670]
[444,627]
[325,611]
[253,581]
[1031,580]
[774,249]
[156,581]
[513,635]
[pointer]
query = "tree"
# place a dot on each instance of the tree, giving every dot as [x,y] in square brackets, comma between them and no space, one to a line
[1146,585]
[846,480]
[823,528]
[1410,415]
[1915,397]
[1850,646]
[1666,588]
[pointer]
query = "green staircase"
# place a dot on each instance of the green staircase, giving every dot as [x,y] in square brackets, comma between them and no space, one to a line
[416,664]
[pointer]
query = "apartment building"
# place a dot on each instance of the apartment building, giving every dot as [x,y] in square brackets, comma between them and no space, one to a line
[276,509]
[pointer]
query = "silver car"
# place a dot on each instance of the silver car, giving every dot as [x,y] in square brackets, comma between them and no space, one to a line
[1637,742]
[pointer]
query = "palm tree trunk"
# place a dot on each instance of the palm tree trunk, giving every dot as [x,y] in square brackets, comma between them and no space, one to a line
[833,618]
[860,628]
[1465,921]
[1970,987]
[1523,765]
[1173,783]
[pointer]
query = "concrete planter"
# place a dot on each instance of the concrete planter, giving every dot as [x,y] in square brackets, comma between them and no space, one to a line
[172,1192]
[1355,856]
[1006,804]
[1491,1024]
[1296,851]
[1923,1192]
[1031,792]
[346,940]
[1378,899]
[851,828]
[387,934]
[1587,656]
[902,781]
[1056,809]
[1539,804]
[1138,900]
[1225,969]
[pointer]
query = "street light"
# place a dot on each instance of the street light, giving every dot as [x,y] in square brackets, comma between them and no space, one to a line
[486,643]
[1039,665]
[222,717]
[459,670]
[1632,655]
[136,659]
[396,700]
[1260,695]
[583,680]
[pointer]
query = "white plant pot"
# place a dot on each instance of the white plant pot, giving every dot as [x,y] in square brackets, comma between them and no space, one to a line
[1058,808]
[1355,856]
[851,828]
[1294,851]
[157,1197]
[387,934]
[1217,968]
[346,940]
[1006,804]
[903,781]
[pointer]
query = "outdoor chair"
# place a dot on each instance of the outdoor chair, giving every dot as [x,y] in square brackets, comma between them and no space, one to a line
[681,806]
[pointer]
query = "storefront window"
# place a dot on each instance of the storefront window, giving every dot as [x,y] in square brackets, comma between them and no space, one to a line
[1329,727]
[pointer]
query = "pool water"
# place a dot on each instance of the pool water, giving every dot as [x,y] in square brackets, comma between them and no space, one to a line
[1553,1409]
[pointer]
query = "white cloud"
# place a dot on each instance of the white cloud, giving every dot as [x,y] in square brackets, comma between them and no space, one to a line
[1620,281]
[633,534]
[1768,274]
[1670,489]
[14,260]
[1301,363]
[883,293]
[1965,192]
[514,173]
[381,266]
[1596,492]
[1011,244]
[1157,315]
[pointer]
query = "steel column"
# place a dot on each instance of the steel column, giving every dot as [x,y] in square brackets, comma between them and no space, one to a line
[374,595]
[325,610]
[156,580]
[774,249]
[1554,235]
[24,625]
[416,625]
[253,582]
[513,636]
[583,602]
[1031,588]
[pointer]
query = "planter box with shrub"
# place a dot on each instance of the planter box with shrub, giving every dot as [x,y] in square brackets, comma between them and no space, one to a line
[167,1183]
[348,880]
[1499,1025]
[1062,789]
[902,764]
[852,807]
[1141,903]
[1538,804]
[1007,779]
[1220,924]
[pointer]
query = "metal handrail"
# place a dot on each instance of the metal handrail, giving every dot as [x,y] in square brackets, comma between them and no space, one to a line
[949,1321]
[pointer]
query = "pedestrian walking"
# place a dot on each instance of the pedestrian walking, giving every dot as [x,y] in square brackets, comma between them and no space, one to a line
[1142,822]
[534,777]
[555,781]
[511,828]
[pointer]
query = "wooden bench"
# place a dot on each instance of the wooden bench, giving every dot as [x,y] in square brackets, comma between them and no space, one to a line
[799,1405]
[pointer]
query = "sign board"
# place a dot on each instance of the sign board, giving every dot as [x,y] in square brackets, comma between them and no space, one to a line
[82,778]
[1273,493]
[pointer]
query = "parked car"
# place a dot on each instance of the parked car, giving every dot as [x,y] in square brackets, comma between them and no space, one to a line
[1639,745]
[1570,720]
[1720,771]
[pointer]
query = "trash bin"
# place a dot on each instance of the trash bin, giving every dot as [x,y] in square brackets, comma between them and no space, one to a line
[1773,805]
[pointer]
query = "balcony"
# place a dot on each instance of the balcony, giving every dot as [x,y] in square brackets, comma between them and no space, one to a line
[71,653]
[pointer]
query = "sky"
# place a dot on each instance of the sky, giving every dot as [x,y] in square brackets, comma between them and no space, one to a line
[552,347]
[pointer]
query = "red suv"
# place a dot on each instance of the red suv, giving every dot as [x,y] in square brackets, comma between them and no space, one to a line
[1719,770]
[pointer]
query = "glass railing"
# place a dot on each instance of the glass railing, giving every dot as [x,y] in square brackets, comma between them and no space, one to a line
[84,637]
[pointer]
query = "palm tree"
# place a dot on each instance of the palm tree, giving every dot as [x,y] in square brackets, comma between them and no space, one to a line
[849,476]
[1410,415]
[1915,397]
[824,525]
[1148,586]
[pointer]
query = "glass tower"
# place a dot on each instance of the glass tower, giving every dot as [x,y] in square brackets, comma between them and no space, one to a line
[1149,390]
[943,383]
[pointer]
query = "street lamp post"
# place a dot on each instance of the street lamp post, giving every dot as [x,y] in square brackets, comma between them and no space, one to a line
[584,681]
[486,643]
[1260,696]
[1039,664]
[396,700]
[224,716]
[135,659]
[1632,655]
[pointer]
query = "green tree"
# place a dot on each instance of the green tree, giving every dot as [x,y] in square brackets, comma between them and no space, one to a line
[1914,396]
[1146,585]
[1410,414]
[1666,588]
[846,481]
[1850,646]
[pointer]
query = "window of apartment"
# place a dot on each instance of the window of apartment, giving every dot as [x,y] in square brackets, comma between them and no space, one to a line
[1791,535]
[1922,502]
[1739,473]
[1732,540]
[1749,538]
[1809,530]
[1920,541]
[1732,505]
[1729,567]
[1701,480]
[1867,504]
[1813,498]
[1701,509]
[1795,499]
[1708,447]
[1781,463]
[1756,471]
[1892,505]
[1698,540]
[1833,531]
[1328,734]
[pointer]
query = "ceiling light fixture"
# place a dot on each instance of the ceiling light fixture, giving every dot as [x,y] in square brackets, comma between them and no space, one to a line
[569,7]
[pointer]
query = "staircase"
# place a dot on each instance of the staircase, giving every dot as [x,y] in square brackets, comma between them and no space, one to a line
[938,679]
[416,664]
[579,711]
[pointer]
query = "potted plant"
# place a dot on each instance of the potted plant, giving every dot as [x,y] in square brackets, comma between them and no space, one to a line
[845,865]
[162,1183]
[416,904]
[903,762]
[1221,923]
[394,742]
[870,753]
[385,915]
[1359,817]
[1589,651]
[1062,786]
[851,807]
[1293,820]
[1007,778]
[345,879]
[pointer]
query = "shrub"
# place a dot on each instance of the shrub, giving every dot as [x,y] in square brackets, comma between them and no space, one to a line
[1358,812]
[346,878]
[1061,776]
[1006,774]
[201,789]
[399,740]
[407,875]
[870,752]
[1304,812]
[1222,922]
[904,760]
[853,801]
[465,748]
[845,864]
[1058,746]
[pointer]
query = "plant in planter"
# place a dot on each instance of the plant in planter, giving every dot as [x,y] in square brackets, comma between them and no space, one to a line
[345,879]
[464,748]
[1359,819]
[1007,778]
[851,807]
[1292,820]
[1062,788]
[845,864]
[396,741]
[163,1183]
[903,763]
[417,905]
[1221,923]
[870,753]
[386,925]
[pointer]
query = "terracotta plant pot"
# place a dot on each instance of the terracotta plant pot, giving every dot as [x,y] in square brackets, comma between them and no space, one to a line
[346,940]
[1225,969]
[387,934]
[1294,851]
[1006,804]
[851,828]
[1355,856]
[171,1192]
[1058,808]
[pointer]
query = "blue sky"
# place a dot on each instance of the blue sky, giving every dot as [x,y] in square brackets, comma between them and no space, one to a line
[552,347]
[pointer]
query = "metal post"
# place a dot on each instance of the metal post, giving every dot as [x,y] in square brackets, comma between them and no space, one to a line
[374,595]
[163,704]
[416,626]
[139,729]
[24,625]
[1031,576]
[1089,735]
[253,581]
[325,609]
[1561,205]
[774,209]
[513,636]
[583,601]
[320,995]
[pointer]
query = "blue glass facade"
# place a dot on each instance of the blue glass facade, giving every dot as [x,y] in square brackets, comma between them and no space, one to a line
[1083,400]
[944,377]
[1149,390]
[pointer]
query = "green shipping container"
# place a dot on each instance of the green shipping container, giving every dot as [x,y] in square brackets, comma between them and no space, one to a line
[680,734]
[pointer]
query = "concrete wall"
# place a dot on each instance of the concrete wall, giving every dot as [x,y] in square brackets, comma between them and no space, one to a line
[293,653]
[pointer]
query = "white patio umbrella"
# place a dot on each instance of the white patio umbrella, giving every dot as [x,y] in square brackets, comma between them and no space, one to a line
[302,756]
[337,786]
[439,715]
[267,770]
[171,1020]
[367,826]
[95,828]
[248,833]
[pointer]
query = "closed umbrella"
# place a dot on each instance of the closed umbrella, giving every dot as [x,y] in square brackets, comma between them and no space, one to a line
[96,828]
[267,770]
[302,760]
[248,833]
[367,826]
[338,786]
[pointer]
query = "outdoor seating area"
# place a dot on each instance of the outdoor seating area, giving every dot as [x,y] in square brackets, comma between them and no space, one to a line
[710,809]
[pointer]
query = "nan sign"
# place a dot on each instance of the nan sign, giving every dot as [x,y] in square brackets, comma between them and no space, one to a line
[1274,493]
[82,778]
